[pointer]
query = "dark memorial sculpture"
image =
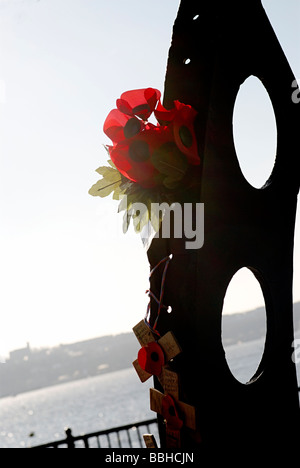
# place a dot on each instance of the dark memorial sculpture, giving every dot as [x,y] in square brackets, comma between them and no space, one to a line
[216,46]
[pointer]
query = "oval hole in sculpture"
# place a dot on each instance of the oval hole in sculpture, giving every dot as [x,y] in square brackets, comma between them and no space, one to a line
[243,325]
[254,132]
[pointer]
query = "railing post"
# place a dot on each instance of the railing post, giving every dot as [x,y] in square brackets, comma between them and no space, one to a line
[69,438]
[86,442]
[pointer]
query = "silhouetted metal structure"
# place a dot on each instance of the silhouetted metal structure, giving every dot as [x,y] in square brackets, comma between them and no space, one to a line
[216,46]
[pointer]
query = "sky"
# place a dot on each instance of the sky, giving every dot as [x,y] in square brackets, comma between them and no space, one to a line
[67,272]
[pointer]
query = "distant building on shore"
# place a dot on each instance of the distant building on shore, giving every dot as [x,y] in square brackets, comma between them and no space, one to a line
[20,355]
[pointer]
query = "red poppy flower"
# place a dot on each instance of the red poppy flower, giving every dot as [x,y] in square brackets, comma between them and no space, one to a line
[133,156]
[181,120]
[118,126]
[170,413]
[139,102]
[151,358]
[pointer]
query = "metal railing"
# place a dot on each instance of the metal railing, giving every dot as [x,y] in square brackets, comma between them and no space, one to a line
[128,436]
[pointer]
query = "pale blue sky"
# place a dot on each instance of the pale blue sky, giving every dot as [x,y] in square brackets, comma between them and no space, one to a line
[67,272]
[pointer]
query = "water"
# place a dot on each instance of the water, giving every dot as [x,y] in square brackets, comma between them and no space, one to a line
[88,405]
[96,403]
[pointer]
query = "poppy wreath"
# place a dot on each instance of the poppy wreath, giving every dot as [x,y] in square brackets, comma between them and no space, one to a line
[147,162]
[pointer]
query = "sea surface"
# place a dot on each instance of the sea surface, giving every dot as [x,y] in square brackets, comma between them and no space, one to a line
[96,403]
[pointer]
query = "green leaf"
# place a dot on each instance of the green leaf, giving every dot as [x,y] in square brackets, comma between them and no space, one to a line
[171,182]
[169,161]
[117,193]
[109,173]
[103,188]
[112,181]
[111,164]
[106,148]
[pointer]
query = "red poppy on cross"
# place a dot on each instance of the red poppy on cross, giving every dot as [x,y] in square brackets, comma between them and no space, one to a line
[153,355]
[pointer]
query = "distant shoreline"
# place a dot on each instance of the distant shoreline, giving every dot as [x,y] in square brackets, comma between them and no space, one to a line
[29,369]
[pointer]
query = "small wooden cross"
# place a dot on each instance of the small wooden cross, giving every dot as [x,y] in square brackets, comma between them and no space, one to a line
[150,441]
[176,413]
[185,411]
[167,343]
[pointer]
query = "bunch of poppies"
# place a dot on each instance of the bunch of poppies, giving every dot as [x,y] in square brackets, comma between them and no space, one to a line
[149,154]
